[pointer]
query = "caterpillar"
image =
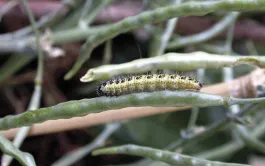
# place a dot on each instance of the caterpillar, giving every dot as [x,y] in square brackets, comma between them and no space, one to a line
[147,83]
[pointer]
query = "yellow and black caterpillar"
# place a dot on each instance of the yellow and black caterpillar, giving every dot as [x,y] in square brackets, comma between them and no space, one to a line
[147,83]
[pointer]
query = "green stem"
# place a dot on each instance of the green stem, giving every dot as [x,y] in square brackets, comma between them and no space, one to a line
[176,61]
[160,155]
[88,17]
[195,110]
[183,144]
[44,21]
[35,100]
[95,105]
[107,52]
[193,118]
[232,147]
[79,153]
[205,35]
[158,15]
[195,139]
[8,148]
[249,140]
[160,44]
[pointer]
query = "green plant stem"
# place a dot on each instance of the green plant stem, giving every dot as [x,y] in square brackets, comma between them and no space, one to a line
[79,153]
[23,131]
[160,155]
[161,14]
[222,151]
[97,36]
[158,15]
[161,39]
[205,35]
[8,148]
[232,147]
[89,15]
[195,110]
[209,131]
[107,52]
[230,36]
[153,46]
[35,100]
[193,118]
[87,7]
[44,21]
[249,140]
[176,61]
[83,107]
[38,79]
[183,144]
[228,73]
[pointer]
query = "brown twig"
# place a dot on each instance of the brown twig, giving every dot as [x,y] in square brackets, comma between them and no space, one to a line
[242,87]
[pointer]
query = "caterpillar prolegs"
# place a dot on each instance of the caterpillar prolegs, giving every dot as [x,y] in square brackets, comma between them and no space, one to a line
[147,83]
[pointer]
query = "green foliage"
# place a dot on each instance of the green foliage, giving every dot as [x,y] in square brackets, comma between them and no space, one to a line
[83,107]
[8,148]
[217,135]
[165,156]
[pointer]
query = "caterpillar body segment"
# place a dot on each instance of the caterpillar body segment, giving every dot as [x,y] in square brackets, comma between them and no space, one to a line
[147,83]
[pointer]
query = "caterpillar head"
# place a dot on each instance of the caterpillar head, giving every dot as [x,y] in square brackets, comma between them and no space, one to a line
[100,89]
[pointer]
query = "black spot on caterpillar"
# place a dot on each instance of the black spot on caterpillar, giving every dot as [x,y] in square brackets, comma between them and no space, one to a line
[147,83]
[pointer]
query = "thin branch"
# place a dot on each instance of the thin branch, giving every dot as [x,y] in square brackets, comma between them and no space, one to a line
[160,155]
[99,35]
[35,100]
[88,6]
[38,79]
[232,147]
[79,153]
[107,52]
[176,61]
[247,88]
[249,140]
[44,21]
[183,144]
[89,14]
[95,105]
[205,35]
[228,73]
[193,118]
[158,15]
[195,110]
[8,148]
[189,142]
[160,44]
